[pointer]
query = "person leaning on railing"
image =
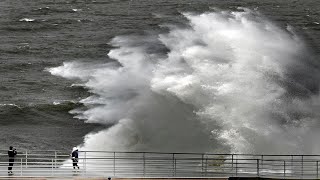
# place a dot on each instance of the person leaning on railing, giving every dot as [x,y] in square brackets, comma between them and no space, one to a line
[11,153]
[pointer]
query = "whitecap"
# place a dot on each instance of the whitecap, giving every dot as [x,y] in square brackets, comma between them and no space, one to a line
[77,85]
[26,20]
[14,105]
[56,103]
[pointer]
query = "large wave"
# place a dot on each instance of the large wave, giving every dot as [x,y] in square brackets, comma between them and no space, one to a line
[227,82]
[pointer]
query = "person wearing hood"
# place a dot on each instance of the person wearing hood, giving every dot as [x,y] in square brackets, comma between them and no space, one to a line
[11,153]
[75,157]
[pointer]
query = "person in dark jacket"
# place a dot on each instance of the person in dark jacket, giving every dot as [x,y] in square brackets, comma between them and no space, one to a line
[75,158]
[11,153]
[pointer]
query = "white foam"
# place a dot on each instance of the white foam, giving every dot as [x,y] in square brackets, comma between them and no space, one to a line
[56,103]
[224,84]
[10,104]
[27,19]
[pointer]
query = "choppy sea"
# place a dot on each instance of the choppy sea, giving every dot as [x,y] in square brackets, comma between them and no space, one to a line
[46,108]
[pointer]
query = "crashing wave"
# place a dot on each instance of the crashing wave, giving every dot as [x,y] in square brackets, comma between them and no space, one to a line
[231,81]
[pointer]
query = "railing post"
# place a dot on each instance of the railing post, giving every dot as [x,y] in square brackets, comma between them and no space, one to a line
[52,167]
[114,163]
[231,162]
[55,159]
[284,168]
[236,167]
[301,166]
[317,169]
[173,165]
[258,167]
[261,161]
[202,164]
[144,164]
[85,164]
[26,158]
[206,167]
[21,167]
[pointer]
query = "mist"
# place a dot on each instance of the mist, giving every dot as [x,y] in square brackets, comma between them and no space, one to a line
[231,82]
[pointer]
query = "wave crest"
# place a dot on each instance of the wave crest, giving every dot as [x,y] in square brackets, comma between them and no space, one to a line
[228,82]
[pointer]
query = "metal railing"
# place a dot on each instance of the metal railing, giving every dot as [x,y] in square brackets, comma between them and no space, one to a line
[155,164]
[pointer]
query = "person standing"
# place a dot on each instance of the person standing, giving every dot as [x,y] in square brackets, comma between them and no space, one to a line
[75,157]
[11,153]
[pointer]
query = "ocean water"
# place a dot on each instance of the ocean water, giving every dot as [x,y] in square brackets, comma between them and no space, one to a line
[184,75]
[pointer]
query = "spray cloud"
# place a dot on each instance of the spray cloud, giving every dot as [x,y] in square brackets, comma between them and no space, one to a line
[229,81]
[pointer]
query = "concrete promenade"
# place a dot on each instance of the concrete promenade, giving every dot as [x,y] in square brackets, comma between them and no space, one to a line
[104,178]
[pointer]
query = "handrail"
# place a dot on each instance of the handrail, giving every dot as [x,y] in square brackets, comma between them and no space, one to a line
[157,152]
[161,164]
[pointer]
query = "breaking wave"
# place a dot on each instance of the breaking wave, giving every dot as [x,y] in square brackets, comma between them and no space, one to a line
[227,82]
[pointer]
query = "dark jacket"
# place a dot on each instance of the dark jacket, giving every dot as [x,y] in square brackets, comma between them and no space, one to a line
[12,153]
[75,154]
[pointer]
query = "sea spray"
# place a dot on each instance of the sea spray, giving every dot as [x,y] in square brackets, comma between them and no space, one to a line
[230,81]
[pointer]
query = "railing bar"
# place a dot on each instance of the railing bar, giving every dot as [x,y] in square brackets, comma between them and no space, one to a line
[128,152]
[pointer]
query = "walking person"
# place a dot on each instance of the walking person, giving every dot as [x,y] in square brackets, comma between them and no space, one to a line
[75,157]
[11,153]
